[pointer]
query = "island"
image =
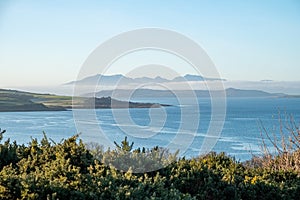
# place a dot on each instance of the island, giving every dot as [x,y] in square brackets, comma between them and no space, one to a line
[20,101]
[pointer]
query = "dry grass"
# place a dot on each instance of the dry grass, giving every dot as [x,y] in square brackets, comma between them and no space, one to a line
[285,154]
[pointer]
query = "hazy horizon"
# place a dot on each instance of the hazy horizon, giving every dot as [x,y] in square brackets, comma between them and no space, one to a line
[286,87]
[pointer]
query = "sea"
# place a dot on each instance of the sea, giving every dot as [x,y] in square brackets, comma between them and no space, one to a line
[187,128]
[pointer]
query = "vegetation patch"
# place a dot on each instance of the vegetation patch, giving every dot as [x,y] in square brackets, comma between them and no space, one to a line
[73,170]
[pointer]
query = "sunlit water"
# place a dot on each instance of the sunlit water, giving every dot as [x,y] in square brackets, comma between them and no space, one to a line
[241,135]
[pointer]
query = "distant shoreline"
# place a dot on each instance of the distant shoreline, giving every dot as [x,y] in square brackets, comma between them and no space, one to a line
[18,101]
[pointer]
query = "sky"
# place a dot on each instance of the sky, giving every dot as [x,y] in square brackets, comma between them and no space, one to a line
[45,43]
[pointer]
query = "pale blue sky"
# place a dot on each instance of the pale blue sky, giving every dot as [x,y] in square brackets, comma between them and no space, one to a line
[46,42]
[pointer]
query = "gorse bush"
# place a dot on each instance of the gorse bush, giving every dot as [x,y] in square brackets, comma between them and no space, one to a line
[125,158]
[72,170]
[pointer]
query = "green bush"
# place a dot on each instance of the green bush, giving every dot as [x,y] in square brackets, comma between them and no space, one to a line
[71,170]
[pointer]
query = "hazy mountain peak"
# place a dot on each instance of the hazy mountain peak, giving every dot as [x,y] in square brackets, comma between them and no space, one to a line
[113,79]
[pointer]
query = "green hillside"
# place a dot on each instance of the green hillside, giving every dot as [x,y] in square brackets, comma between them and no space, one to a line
[13,100]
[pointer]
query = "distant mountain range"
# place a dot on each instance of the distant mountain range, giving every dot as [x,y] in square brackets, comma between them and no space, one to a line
[113,79]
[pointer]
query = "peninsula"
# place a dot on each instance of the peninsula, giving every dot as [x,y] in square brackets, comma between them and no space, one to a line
[20,101]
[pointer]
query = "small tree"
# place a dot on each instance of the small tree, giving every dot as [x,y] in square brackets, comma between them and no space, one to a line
[124,145]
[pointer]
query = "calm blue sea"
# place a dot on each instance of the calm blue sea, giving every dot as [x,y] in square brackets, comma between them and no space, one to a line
[240,137]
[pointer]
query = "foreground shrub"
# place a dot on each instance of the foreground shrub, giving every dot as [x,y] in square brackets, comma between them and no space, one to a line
[285,152]
[70,170]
